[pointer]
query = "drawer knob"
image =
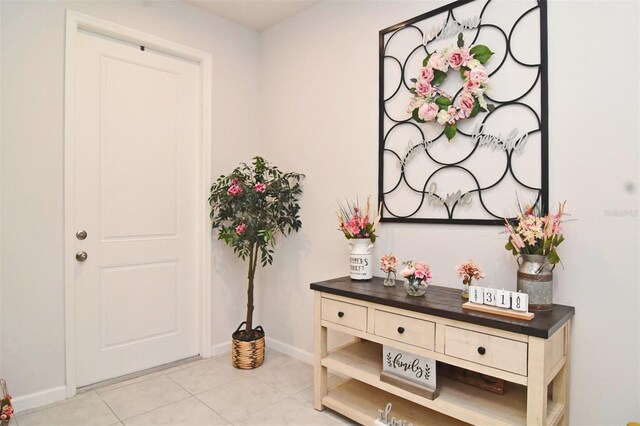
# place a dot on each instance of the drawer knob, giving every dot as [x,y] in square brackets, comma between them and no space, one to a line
[340,314]
[400,330]
[482,350]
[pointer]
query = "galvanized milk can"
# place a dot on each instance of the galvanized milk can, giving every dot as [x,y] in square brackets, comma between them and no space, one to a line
[535,278]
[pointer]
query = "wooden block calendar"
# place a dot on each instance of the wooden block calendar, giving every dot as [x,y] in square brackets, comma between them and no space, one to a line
[498,311]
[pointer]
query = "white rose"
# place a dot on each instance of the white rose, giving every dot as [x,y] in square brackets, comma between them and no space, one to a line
[443,117]
[472,63]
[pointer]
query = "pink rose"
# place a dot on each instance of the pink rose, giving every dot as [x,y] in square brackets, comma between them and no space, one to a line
[465,103]
[456,59]
[426,73]
[241,229]
[423,87]
[428,111]
[260,187]
[478,75]
[421,266]
[438,62]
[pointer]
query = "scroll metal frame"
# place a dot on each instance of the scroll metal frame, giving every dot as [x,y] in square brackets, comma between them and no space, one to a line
[542,77]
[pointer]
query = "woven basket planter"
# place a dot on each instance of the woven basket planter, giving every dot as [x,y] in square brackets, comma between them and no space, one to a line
[247,354]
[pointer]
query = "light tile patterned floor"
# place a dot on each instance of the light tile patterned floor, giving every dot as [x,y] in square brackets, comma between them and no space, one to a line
[203,392]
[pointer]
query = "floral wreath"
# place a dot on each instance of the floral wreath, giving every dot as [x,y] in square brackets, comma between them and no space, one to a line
[430,103]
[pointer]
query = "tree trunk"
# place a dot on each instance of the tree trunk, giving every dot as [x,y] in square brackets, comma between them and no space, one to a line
[253,257]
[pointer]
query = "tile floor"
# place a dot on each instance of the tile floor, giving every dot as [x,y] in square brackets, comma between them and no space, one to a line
[202,392]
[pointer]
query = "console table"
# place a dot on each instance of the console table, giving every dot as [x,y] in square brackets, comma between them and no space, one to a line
[533,356]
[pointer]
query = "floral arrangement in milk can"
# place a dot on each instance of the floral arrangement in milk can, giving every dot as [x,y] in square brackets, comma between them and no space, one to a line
[468,271]
[356,222]
[532,233]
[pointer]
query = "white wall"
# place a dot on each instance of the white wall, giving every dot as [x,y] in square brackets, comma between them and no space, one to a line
[320,92]
[32,304]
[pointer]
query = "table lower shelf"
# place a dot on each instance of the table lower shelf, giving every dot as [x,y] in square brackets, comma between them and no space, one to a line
[363,361]
[361,403]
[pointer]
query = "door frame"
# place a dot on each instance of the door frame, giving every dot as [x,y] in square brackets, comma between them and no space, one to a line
[76,21]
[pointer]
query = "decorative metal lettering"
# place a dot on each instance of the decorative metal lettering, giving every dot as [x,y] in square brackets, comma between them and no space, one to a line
[495,156]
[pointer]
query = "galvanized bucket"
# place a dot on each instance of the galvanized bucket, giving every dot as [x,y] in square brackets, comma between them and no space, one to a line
[535,278]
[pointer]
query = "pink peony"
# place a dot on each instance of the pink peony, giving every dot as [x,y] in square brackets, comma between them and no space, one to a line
[478,75]
[260,187]
[407,272]
[423,87]
[438,62]
[428,111]
[426,74]
[241,229]
[465,103]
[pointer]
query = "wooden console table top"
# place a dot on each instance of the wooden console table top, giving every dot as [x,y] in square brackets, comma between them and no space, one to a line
[444,302]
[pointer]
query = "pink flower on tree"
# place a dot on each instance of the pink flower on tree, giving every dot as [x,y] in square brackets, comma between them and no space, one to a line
[260,187]
[234,190]
[241,229]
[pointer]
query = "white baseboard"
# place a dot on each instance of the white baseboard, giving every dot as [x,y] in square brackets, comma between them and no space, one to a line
[38,399]
[221,348]
[292,351]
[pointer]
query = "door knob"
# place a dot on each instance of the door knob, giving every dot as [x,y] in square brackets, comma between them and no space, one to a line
[81,256]
[81,234]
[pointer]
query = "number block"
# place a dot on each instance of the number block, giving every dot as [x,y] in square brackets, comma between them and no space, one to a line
[490,296]
[520,302]
[476,294]
[503,299]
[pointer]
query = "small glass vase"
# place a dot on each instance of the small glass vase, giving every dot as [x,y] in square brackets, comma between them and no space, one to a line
[415,287]
[465,291]
[390,282]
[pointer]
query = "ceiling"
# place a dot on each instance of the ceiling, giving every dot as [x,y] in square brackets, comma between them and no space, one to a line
[255,14]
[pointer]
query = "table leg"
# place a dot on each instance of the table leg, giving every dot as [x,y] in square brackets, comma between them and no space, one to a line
[320,352]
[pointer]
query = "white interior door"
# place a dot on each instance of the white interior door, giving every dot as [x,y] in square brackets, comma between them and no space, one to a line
[136,126]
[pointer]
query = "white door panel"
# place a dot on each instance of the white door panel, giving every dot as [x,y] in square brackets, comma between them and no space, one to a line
[136,116]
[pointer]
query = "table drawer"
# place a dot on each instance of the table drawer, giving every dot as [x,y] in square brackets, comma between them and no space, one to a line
[411,331]
[345,314]
[485,349]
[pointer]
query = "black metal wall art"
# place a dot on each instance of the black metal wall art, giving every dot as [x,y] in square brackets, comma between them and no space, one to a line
[463,127]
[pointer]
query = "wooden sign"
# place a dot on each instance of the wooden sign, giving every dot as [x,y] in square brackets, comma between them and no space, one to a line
[418,369]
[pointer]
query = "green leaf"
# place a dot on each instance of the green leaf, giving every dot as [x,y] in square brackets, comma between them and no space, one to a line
[438,77]
[460,40]
[491,107]
[450,130]
[443,102]
[553,257]
[476,108]
[425,61]
[414,115]
[481,52]
[413,90]
[462,71]
[414,80]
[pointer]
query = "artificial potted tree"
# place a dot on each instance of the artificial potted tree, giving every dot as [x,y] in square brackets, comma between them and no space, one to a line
[250,207]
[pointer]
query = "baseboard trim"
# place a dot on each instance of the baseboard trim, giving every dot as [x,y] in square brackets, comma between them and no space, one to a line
[292,351]
[39,399]
[221,348]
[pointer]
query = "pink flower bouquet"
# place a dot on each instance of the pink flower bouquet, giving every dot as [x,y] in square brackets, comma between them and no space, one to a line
[355,222]
[417,276]
[533,233]
[468,271]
